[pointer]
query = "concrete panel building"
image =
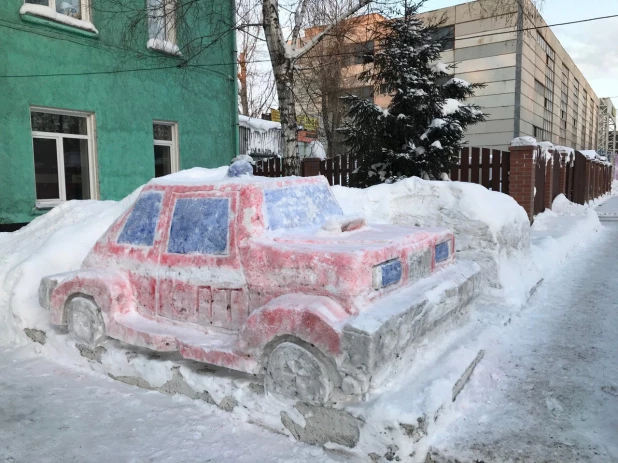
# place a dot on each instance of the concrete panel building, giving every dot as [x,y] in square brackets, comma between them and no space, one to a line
[532,86]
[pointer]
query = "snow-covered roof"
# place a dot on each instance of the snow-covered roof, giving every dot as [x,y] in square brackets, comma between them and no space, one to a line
[259,125]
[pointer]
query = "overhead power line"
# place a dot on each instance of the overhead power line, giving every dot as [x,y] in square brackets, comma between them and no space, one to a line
[185,64]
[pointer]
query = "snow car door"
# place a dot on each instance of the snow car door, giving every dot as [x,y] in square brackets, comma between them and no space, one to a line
[200,278]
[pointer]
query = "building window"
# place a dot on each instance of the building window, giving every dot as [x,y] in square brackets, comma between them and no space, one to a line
[162,26]
[166,157]
[77,9]
[64,158]
[446,36]
[358,53]
[366,93]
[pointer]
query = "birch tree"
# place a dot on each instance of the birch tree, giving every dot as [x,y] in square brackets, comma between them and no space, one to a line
[284,55]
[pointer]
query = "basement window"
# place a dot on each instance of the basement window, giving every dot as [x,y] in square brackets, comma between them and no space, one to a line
[166,159]
[162,26]
[64,159]
[74,13]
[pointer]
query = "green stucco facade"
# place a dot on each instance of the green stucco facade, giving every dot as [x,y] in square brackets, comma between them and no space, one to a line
[199,95]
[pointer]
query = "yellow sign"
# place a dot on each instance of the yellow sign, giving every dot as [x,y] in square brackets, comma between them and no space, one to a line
[309,123]
[275,115]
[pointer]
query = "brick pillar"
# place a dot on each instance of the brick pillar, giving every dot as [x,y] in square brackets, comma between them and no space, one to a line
[310,167]
[521,177]
[564,158]
[549,179]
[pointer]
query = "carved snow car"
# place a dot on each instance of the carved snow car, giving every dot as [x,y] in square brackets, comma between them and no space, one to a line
[262,275]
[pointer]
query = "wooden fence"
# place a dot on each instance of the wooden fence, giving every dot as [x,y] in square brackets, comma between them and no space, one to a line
[579,178]
[483,166]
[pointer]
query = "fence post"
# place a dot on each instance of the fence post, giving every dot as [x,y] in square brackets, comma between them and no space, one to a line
[563,162]
[521,177]
[549,179]
[310,167]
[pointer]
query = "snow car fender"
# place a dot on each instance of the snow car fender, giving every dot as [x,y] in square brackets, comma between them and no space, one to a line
[110,290]
[316,320]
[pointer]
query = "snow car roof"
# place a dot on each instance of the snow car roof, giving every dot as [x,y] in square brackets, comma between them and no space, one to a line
[199,176]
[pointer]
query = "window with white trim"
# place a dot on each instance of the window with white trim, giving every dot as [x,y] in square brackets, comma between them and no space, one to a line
[76,9]
[64,158]
[162,26]
[166,158]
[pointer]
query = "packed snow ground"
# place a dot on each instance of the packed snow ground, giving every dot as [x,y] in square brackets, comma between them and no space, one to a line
[50,414]
[59,241]
[547,388]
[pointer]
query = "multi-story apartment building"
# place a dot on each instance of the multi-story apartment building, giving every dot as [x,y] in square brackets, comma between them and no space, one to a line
[88,114]
[532,86]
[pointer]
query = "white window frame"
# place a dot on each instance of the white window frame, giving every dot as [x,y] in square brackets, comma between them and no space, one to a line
[92,154]
[173,144]
[165,11]
[84,6]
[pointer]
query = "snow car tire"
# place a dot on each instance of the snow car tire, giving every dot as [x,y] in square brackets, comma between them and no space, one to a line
[85,322]
[295,372]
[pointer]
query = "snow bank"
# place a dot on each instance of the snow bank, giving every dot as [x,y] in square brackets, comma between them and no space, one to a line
[489,226]
[53,243]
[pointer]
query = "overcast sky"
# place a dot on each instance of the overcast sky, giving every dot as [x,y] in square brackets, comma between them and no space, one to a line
[593,45]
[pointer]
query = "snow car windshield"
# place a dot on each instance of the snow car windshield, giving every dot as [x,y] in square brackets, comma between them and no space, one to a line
[299,206]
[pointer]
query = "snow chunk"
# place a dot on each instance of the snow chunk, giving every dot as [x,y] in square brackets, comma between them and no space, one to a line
[590,154]
[524,141]
[439,67]
[437,123]
[460,82]
[546,145]
[46,12]
[437,144]
[164,46]
[451,106]
[317,150]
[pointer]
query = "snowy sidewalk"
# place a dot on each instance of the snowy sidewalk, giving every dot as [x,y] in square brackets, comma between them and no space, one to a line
[608,210]
[51,414]
[547,389]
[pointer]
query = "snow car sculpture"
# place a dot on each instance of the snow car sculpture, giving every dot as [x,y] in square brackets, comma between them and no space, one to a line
[261,275]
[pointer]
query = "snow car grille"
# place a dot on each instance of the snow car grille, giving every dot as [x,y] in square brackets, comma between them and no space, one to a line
[387,273]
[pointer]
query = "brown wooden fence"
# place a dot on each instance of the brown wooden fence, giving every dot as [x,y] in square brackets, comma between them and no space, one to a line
[483,166]
[580,179]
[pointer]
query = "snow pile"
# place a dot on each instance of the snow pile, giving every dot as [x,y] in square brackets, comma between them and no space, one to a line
[53,243]
[553,235]
[317,150]
[523,141]
[44,11]
[489,226]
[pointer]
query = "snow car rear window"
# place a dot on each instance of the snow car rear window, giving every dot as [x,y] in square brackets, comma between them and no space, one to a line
[139,229]
[299,206]
[200,225]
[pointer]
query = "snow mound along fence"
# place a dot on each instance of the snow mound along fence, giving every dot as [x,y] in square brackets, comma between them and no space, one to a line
[489,227]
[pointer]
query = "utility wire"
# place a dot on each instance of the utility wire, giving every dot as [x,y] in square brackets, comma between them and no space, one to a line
[186,65]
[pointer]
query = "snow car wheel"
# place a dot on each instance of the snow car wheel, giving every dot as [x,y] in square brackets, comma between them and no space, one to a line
[85,321]
[293,371]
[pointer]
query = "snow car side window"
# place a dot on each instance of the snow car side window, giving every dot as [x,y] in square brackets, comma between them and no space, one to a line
[200,225]
[300,206]
[139,229]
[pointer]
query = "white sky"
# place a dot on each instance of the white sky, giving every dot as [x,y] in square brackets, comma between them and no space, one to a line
[593,45]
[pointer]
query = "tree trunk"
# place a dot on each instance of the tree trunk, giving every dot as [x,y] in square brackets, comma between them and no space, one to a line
[283,69]
[242,78]
[287,110]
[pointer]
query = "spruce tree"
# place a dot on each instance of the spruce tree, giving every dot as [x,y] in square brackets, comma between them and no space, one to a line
[422,131]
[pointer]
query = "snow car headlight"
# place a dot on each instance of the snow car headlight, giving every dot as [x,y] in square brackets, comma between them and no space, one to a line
[443,251]
[386,273]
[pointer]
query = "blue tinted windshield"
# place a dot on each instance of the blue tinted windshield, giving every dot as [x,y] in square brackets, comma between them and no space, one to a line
[299,206]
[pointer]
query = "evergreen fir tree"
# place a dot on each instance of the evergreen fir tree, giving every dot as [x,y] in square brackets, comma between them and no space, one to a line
[421,131]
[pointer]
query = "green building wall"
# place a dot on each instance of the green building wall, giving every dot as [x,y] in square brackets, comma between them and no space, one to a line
[199,95]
